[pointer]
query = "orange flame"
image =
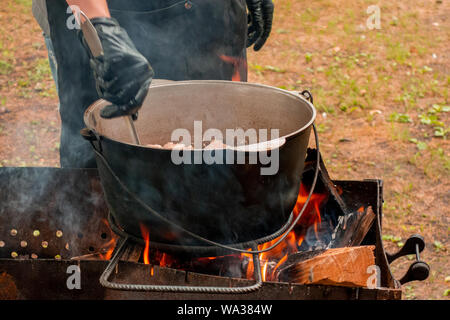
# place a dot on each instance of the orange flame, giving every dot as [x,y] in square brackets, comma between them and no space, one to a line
[161,259]
[264,271]
[146,237]
[300,241]
[292,242]
[282,260]
[250,267]
[107,249]
[163,262]
[271,260]
[238,64]
[315,202]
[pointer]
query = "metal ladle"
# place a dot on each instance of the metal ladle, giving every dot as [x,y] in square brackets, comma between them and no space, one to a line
[95,46]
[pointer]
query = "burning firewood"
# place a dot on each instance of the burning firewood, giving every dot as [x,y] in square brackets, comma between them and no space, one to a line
[338,267]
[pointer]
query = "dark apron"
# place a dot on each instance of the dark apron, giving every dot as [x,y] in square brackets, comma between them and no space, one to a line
[183,40]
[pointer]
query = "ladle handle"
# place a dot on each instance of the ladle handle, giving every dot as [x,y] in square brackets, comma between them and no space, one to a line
[132,128]
[90,36]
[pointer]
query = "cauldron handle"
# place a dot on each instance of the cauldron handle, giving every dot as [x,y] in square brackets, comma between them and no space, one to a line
[168,288]
[308,96]
[93,138]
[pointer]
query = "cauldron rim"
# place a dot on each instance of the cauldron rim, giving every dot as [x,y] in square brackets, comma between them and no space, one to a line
[168,83]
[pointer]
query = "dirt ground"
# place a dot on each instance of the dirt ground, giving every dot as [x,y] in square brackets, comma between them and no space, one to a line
[382,97]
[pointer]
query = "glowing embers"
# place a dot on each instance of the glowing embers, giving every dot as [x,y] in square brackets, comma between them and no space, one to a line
[107,249]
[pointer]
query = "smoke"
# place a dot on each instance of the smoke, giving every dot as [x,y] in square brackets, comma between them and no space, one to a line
[60,207]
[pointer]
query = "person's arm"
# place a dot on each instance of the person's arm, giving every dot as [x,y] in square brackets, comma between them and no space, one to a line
[92,8]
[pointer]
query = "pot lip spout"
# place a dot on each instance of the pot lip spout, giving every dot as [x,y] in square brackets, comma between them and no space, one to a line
[90,121]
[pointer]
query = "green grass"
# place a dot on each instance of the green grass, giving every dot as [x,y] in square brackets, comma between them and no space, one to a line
[5,67]
[399,133]
[38,79]
[25,3]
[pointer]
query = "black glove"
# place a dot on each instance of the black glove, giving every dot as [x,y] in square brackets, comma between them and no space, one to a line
[260,22]
[122,74]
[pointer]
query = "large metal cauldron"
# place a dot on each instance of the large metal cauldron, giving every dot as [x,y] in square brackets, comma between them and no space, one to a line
[226,203]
